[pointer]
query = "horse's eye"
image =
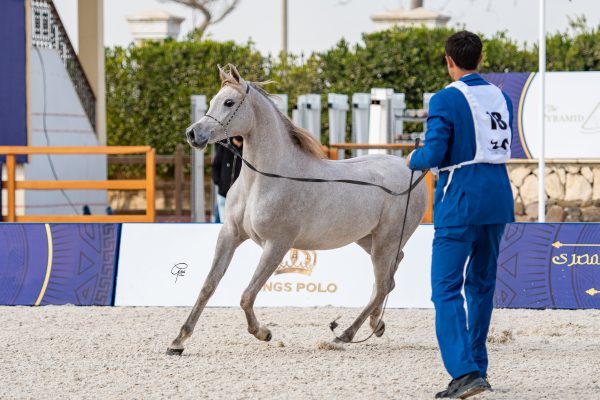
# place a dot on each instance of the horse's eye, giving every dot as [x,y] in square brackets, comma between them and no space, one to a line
[229,103]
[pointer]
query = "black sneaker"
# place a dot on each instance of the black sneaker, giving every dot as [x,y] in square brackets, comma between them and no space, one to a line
[463,387]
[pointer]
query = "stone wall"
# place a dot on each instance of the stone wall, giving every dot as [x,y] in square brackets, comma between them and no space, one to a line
[572,192]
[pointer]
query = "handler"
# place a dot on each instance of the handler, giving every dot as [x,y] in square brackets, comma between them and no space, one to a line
[226,168]
[468,139]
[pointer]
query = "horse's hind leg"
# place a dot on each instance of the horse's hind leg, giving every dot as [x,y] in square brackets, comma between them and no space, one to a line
[227,242]
[383,257]
[376,325]
[271,257]
[375,321]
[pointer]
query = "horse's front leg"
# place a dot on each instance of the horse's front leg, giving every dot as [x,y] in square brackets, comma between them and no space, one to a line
[272,255]
[228,241]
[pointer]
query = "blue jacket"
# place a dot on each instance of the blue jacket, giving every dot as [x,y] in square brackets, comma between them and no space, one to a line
[479,194]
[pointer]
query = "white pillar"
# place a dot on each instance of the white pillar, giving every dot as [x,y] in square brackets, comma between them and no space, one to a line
[281,102]
[308,114]
[284,26]
[91,54]
[398,113]
[542,156]
[198,110]
[380,118]
[337,105]
[360,120]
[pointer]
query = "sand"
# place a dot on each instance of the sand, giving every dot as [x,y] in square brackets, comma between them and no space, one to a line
[72,352]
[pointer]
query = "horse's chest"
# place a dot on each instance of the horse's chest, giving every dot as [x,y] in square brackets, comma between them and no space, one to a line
[267,211]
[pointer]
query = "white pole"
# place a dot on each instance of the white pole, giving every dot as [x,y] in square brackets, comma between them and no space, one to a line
[284,26]
[197,201]
[542,71]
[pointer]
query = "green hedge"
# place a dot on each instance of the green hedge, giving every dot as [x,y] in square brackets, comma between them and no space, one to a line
[149,87]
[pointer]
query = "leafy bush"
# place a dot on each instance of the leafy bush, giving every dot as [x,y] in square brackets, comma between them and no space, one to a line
[148,88]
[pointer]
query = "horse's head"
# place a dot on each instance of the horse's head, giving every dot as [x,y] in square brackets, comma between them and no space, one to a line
[230,101]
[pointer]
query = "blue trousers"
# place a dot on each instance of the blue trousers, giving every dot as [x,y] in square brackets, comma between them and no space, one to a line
[462,339]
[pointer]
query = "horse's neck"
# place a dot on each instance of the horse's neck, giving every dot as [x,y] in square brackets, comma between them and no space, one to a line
[269,146]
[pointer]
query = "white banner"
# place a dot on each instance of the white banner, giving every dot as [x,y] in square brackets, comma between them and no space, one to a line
[166,264]
[572,115]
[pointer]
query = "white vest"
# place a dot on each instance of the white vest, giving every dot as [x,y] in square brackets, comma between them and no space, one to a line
[493,133]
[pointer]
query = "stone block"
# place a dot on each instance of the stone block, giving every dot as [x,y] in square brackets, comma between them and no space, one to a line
[572,214]
[587,174]
[554,189]
[562,174]
[531,210]
[590,214]
[578,188]
[555,214]
[529,189]
[573,169]
[596,189]
[518,174]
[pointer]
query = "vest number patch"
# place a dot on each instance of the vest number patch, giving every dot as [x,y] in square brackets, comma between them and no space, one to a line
[497,121]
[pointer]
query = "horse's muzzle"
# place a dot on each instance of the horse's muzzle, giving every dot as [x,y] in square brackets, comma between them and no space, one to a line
[196,138]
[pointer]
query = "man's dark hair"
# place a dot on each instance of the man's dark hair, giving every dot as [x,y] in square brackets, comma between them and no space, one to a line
[465,49]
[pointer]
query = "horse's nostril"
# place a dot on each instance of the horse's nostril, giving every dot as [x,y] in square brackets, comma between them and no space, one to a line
[190,135]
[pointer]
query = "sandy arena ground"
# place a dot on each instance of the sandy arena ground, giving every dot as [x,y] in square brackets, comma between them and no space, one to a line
[90,352]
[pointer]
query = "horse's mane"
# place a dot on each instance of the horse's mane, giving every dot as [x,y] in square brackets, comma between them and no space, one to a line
[301,137]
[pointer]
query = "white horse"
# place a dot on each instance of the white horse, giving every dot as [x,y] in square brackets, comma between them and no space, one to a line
[279,214]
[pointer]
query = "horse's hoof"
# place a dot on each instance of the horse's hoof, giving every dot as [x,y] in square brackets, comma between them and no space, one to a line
[342,339]
[380,331]
[264,334]
[174,352]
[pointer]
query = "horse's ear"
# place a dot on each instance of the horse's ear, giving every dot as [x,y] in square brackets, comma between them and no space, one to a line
[234,73]
[222,74]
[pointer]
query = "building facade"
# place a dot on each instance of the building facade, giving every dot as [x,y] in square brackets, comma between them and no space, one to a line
[51,95]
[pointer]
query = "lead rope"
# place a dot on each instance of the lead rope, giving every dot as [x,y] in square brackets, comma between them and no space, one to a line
[333,324]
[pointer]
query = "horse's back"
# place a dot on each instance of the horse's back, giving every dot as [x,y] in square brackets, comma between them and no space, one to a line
[382,169]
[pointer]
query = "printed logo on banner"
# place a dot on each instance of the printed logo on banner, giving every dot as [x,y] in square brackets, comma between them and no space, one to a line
[303,265]
[179,270]
[574,260]
[549,266]
[592,122]
[589,123]
[302,262]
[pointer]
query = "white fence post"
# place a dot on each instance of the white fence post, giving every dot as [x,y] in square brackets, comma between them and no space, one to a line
[197,206]
[337,105]
[281,102]
[309,114]
[360,120]
[398,111]
[380,119]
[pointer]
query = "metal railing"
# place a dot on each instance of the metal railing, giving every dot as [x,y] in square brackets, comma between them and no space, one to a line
[12,185]
[48,32]
[179,185]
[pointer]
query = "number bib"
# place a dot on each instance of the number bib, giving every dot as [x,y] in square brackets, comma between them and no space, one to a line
[490,119]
